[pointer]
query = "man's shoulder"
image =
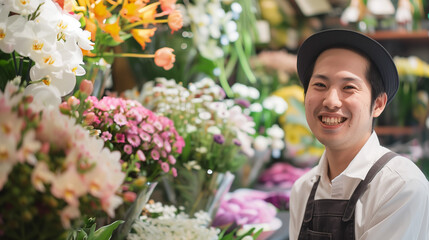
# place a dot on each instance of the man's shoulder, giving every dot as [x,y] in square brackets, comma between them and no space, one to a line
[306,179]
[406,170]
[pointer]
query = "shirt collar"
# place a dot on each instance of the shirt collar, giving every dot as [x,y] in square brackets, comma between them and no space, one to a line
[361,163]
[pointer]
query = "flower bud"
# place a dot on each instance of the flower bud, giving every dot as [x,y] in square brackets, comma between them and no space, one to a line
[89,118]
[86,87]
[73,101]
[165,58]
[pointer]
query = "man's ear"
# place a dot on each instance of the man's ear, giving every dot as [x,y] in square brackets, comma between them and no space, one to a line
[379,105]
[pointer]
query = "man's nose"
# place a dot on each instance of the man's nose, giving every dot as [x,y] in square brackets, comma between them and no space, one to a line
[332,99]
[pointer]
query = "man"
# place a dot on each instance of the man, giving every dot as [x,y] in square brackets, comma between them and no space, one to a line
[359,189]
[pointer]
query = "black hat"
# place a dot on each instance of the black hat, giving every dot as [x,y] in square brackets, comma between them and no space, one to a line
[313,46]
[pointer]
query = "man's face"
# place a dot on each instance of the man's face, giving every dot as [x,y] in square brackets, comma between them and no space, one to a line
[338,100]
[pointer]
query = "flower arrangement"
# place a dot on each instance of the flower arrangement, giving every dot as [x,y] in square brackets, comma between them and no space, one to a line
[161,222]
[53,172]
[217,132]
[265,112]
[149,144]
[169,222]
[244,209]
[113,22]
[45,46]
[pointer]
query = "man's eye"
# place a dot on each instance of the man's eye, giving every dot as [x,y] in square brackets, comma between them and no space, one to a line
[319,84]
[349,87]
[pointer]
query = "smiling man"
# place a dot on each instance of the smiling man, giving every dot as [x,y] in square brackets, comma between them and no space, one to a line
[359,189]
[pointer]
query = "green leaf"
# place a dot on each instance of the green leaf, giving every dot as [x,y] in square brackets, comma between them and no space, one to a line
[105,232]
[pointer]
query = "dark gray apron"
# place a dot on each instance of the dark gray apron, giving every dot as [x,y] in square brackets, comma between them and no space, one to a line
[327,219]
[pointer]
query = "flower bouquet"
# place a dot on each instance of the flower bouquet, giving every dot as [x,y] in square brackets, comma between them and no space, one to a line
[43,44]
[113,23]
[53,173]
[159,222]
[149,144]
[268,137]
[218,136]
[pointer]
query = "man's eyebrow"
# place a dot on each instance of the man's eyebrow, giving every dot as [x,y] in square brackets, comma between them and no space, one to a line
[323,77]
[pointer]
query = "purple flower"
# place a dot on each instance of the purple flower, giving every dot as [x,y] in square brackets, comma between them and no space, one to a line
[237,142]
[242,102]
[218,138]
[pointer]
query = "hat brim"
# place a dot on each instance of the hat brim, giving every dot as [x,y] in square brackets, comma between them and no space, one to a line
[313,46]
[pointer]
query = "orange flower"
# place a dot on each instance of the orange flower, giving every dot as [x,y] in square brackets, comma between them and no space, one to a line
[148,12]
[130,9]
[113,29]
[91,27]
[165,58]
[168,5]
[142,36]
[100,11]
[175,21]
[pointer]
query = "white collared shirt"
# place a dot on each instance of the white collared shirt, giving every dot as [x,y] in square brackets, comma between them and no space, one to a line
[394,206]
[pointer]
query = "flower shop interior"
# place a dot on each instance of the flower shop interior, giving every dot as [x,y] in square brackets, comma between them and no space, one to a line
[178,119]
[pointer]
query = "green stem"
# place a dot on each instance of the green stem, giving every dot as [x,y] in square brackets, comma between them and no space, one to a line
[132,55]
[244,61]
[133,25]
[223,79]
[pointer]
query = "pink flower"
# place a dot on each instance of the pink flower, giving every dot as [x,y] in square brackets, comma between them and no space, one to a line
[128,149]
[155,154]
[165,167]
[165,58]
[145,137]
[86,87]
[120,119]
[141,155]
[120,138]
[174,172]
[171,159]
[157,140]
[130,196]
[106,136]
[148,128]
[134,140]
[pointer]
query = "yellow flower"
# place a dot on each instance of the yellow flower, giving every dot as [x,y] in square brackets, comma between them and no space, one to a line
[295,132]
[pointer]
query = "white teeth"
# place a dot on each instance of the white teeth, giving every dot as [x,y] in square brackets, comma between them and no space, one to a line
[332,120]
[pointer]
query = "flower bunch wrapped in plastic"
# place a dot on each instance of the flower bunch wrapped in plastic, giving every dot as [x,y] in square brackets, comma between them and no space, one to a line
[218,134]
[113,22]
[45,46]
[53,173]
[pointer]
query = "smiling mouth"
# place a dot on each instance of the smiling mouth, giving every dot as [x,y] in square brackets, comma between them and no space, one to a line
[332,120]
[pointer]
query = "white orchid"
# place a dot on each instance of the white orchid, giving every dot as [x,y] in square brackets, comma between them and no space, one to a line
[51,39]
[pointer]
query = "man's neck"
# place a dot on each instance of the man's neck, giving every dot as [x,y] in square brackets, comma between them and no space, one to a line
[338,161]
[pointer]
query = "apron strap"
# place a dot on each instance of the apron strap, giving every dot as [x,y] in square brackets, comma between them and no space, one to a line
[361,188]
[308,215]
